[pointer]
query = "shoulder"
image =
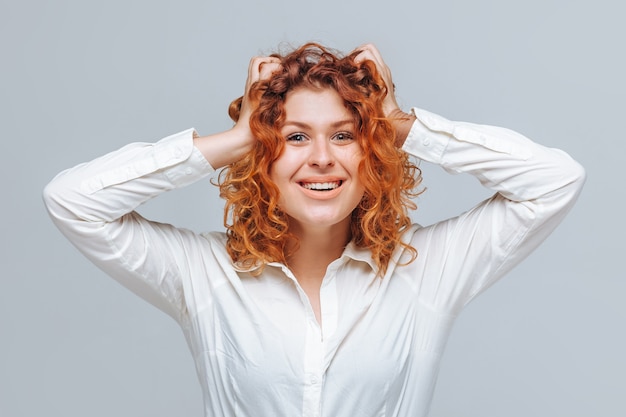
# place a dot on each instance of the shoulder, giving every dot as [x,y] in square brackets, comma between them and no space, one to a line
[216,242]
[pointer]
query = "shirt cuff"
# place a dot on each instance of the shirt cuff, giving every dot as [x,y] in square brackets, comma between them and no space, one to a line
[424,143]
[183,163]
[174,156]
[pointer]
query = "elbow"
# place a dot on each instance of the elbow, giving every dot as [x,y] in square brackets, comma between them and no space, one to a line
[563,182]
[50,195]
[55,198]
[578,176]
[573,177]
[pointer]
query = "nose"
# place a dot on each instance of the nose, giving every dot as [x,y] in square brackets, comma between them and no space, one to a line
[321,154]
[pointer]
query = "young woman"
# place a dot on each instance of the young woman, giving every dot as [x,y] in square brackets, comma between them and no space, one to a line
[321,299]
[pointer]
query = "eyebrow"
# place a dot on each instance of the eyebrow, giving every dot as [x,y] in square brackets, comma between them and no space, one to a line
[303,125]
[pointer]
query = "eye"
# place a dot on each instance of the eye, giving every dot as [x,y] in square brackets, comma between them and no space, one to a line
[296,137]
[343,137]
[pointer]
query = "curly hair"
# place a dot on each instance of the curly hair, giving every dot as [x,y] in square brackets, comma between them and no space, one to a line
[257,228]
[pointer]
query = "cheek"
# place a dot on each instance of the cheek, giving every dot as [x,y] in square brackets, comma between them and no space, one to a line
[280,172]
[353,161]
[276,171]
[354,152]
[285,166]
[356,163]
[277,152]
[272,172]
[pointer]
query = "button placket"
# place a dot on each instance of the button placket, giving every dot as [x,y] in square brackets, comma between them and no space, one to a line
[313,354]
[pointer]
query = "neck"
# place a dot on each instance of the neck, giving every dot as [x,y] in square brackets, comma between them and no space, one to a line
[318,247]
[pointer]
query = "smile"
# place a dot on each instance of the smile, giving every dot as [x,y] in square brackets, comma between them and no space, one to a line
[321,186]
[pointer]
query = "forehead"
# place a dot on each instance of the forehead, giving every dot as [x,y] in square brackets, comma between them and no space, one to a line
[315,106]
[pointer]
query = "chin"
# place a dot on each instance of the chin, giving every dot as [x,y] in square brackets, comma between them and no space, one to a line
[321,222]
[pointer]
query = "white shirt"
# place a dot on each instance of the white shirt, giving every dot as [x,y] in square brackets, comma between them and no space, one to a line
[258,348]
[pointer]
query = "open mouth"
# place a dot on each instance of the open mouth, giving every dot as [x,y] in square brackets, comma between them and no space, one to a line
[321,186]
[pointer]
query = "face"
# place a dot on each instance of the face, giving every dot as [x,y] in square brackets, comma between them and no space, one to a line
[317,173]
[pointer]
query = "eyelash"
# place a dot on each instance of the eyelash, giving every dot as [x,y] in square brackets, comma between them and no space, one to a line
[347,136]
[293,136]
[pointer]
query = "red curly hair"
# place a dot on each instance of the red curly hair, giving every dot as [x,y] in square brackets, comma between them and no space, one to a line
[257,228]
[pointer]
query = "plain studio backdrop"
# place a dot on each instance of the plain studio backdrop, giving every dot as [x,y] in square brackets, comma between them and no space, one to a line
[81,78]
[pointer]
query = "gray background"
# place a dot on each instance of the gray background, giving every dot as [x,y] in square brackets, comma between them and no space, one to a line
[80,78]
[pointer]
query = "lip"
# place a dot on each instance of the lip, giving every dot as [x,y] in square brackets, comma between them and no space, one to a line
[321,194]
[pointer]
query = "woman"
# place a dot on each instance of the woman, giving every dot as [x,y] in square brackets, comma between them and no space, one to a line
[321,299]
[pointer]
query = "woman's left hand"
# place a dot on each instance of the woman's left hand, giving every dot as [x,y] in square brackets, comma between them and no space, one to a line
[371,53]
[402,121]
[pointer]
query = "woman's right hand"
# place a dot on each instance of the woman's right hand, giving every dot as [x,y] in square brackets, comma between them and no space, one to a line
[260,68]
[222,149]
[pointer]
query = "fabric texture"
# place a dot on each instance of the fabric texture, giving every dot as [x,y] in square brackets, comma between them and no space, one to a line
[257,346]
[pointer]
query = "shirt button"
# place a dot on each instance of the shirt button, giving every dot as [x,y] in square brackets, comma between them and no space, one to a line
[313,380]
[188,171]
[426,142]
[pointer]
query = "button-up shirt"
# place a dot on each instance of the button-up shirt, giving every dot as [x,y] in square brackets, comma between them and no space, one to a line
[257,346]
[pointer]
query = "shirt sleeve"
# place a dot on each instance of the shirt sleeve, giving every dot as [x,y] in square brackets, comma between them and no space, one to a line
[534,187]
[93,205]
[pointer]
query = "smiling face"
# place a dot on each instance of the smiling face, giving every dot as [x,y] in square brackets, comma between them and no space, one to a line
[317,172]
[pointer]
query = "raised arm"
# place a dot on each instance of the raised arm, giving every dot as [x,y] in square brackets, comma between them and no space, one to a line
[93,204]
[534,188]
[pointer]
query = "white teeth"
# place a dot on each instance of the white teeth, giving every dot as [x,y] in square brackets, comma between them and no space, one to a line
[321,185]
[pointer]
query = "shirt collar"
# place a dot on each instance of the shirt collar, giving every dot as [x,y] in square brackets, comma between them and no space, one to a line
[351,251]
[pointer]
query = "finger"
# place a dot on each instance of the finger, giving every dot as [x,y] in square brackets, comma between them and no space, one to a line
[363,55]
[258,68]
[369,51]
[266,69]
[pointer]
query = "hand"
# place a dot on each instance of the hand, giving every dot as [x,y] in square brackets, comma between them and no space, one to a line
[400,120]
[371,53]
[259,69]
[222,149]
